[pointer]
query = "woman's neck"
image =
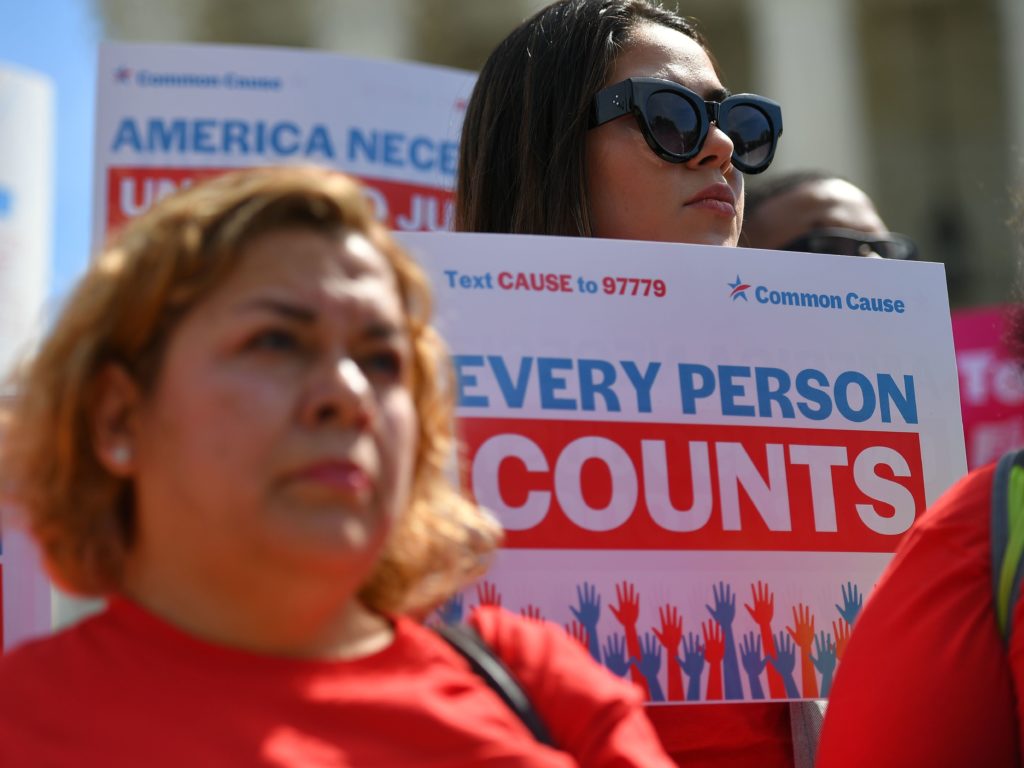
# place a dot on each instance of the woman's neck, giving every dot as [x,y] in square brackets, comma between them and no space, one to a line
[305,618]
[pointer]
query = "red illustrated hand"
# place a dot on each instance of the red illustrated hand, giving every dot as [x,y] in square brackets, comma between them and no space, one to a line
[487,594]
[578,633]
[763,609]
[803,635]
[841,632]
[532,612]
[670,635]
[671,632]
[714,642]
[628,610]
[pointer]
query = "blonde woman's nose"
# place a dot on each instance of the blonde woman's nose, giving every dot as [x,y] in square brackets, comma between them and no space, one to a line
[344,394]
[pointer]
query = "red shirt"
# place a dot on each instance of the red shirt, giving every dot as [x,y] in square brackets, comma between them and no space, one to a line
[126,689]
[925,679]
[726,735]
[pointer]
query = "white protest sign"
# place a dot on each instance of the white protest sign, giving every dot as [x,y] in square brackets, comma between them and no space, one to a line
[26,200]
[168,115]
[674,432]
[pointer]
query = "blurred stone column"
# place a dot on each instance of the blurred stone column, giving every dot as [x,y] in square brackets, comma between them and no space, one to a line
[805,56]
[1011,13]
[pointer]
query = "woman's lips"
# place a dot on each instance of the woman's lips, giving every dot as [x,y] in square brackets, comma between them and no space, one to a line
[343,477]
[717,199]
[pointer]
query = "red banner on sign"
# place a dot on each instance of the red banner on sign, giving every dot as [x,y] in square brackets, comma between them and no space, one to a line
[608,485]
[402,206]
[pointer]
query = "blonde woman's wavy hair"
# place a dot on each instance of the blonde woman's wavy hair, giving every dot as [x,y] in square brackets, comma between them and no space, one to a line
[123,312]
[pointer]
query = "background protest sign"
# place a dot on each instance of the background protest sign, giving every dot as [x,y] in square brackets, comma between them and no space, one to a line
[991,385]
[171,114]
[695,448]
[26,181]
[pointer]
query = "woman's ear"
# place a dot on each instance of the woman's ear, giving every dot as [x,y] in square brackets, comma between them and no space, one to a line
[113,420]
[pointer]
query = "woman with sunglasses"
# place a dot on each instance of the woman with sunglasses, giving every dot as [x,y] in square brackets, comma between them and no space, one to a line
[237,432]
[608,118]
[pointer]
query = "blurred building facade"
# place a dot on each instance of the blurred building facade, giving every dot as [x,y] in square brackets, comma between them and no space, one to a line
[920,102]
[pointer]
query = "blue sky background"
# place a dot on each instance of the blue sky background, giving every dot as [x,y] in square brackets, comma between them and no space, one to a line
[60,38]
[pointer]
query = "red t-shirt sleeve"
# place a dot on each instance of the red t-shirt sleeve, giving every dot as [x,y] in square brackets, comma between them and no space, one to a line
[925,679]
[591,714]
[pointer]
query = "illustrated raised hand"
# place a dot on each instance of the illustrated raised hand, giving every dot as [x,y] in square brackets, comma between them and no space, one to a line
[487,594]
[841,631]
[714,651]
[692,664]
[628,609]
[753,663]
[785,662]
[532,612]
[627,612]
[589,611]
[824,659]
[853,601]
[762,612]
[615,655]
[588,614]
[724,612]
[714,645]
[650,665]
[450,611]
[804,636]
[763,609]
[579,633]
[671,631]
[725,605]
[670,635]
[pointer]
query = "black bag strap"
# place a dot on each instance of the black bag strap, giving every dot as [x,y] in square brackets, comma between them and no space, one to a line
[488,666]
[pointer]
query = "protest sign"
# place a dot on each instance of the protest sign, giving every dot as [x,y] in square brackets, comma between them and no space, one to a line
[168,115]
[991,385]
[26,194]
[672,433]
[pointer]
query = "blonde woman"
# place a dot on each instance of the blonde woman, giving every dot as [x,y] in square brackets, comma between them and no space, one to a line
[236,432]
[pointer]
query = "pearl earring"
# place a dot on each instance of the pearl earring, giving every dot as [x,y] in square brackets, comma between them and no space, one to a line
[121,454]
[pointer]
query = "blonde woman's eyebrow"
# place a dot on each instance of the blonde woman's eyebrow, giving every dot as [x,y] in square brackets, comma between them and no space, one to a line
[286,309]
[383,331]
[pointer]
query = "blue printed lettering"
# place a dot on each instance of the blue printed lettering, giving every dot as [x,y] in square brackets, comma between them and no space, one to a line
[591,386]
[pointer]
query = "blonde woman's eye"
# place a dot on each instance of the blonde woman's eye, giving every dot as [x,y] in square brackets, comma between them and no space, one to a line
[274,340]
[386,365]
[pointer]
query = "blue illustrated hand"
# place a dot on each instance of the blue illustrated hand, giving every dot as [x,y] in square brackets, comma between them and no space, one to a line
[725,605]
[824,659]
[588,614]
[853,601]
[650,665]
[692,665]
[784,662]
[724,612]
[615,655]
[753,663]
[450,611]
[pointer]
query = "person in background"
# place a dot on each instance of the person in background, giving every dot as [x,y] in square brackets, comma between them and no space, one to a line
[818,212]
[933,672]
[237,431]
[609,118]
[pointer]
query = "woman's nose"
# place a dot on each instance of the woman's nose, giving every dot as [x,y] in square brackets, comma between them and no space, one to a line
[342,394]
[717,150]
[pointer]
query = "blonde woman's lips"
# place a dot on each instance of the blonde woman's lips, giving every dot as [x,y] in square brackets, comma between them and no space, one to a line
[341,476]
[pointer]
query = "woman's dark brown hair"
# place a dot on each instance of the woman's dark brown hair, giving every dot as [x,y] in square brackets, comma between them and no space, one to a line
[521,162]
